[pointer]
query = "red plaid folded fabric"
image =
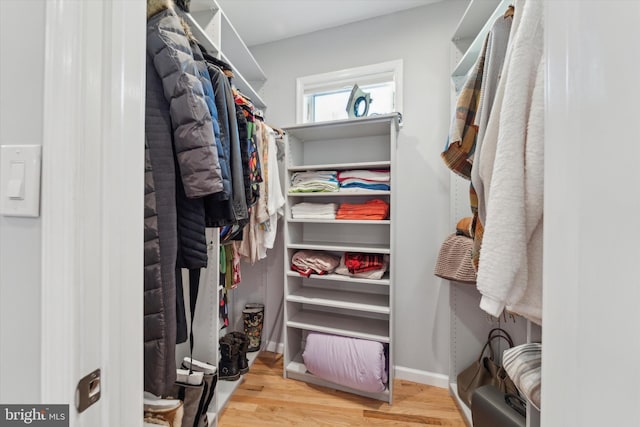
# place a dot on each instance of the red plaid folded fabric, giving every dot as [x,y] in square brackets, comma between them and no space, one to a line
[360,263]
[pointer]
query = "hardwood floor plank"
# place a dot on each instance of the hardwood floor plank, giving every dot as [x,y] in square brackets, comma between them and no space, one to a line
[266,399]
[406,418]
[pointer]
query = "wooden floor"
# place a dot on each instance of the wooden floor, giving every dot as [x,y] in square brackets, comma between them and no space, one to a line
[265,398]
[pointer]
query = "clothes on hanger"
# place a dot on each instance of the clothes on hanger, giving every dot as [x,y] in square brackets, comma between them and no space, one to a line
[183,157]
[510,273]
[203,170]
[496,141]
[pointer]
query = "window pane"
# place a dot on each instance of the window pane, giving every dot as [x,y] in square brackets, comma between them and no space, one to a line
[330,106]
[333,105]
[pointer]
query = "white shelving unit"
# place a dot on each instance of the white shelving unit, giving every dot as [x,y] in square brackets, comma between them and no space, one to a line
[336,304]
[211,26]
[469,325]
[213,29]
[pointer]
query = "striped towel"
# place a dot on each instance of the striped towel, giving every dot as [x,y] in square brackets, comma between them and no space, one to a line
[523,363]
[314,181]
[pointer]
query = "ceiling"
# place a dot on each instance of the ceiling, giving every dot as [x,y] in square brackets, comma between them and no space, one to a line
[263,21]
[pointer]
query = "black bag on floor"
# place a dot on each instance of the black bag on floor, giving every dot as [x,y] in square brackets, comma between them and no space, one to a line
[492,408]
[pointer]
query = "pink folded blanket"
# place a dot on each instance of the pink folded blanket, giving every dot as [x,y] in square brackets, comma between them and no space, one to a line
[308,262]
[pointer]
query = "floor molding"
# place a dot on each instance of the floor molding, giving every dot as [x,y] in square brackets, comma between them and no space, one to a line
[422,377]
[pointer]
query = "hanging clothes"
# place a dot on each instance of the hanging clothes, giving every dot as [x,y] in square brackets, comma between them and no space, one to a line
[497,42]
[182,155]
[510,272]
[260,234]
[233,211]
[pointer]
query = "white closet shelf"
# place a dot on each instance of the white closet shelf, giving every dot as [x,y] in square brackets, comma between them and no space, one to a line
[473,19]
[466,411]
[340,278]
[383,164]
[373,303]
[296,369]
[343,193]
[200,34]
[341,221]
[342,247]
[344,129]
[340,324]
[224,389]
[203,5]
[244,86]
[471,55]
[238,53]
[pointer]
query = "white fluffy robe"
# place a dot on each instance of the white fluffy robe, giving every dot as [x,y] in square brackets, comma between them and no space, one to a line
[510,270]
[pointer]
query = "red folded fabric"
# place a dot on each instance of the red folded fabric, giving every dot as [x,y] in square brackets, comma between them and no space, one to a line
[360,263]
[307,272]
[375,209]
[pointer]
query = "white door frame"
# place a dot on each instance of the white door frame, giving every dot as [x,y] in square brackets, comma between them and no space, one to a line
[92,206]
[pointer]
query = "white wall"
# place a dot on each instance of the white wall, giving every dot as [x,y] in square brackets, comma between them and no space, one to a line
[591,334]
[421,37]
[21,87]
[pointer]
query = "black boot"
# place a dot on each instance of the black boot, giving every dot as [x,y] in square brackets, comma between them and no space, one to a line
[243,345]
[228,367]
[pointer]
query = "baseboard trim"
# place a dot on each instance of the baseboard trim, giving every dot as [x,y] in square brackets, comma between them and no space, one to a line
[422,377]
[275,347]
[402,373]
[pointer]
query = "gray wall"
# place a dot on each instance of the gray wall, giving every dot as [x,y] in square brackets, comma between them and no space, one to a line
[22,48]
[421,37]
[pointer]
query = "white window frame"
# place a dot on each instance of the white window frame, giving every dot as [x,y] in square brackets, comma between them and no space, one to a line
[349,76]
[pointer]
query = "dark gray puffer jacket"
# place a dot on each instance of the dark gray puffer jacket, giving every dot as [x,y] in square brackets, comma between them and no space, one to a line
[182,153]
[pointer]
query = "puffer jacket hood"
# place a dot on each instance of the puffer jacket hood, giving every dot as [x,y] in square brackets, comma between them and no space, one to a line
[157,6]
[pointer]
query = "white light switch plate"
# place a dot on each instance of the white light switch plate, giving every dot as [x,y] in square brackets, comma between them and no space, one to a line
[20,180]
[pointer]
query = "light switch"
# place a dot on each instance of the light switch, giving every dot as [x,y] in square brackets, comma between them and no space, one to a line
[16,181]
[20,180]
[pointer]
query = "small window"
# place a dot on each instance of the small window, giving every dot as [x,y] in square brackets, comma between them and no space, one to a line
[324,97]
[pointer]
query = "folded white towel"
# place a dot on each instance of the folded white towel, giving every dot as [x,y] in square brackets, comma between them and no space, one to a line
[369,175]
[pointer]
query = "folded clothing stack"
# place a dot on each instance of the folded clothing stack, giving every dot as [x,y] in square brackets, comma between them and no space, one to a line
[314,211]
[372,210]
[523,364]
[363,265]
[365,179]
[308,262]
[314,181]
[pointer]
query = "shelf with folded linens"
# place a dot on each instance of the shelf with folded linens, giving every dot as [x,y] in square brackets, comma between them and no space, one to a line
[343,192]
[341,247]
[383,164]
[326,218]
